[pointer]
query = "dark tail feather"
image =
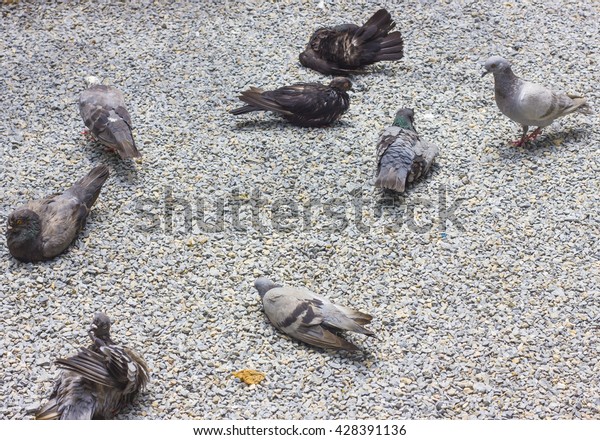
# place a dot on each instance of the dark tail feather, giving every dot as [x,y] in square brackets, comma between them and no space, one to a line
[125,143]
[88,188]
[389,178]
[374,29]
[259,102]
[244,109]
[391,48]
[382,20]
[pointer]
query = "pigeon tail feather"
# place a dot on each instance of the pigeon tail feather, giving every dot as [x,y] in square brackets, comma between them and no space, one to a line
[125,145]
[392,179]
[88,188]
[243,109]
[581,104]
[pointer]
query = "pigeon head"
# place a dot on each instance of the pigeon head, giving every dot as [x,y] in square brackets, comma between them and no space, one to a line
[263,285]
[24,224]
[304,58]
[101,325]
[405,118]
[496,64]
[341,83]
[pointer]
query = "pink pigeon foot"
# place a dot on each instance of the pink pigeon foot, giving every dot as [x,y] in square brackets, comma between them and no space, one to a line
[520,142]
[534,134]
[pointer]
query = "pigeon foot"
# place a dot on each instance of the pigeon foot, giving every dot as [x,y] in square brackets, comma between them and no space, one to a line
[534,134]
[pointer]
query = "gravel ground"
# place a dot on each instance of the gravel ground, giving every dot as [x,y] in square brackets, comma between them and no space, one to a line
[491,314]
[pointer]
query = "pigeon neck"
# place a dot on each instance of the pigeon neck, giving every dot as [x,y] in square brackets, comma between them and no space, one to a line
[101,341]
[504,81]
[403,122]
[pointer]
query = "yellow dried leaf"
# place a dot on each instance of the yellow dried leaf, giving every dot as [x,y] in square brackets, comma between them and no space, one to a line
[251,377]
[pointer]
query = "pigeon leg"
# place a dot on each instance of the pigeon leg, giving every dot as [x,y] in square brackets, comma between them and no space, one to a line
[524,137]
[534,134]
[88,135]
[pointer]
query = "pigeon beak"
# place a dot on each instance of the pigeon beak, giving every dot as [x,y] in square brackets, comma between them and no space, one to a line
[9,228]
[93,327]
[485,73]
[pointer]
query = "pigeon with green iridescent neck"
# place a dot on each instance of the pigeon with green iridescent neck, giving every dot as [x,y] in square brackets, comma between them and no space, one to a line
[527,103]
[98,381]
[103,111]
[308,317]
[402,157]
[42,229]
[346,48]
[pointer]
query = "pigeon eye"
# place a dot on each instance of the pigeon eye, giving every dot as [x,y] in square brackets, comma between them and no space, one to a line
[493,66]
[19,222]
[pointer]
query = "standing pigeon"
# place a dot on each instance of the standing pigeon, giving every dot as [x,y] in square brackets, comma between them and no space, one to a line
[309,317]
[528,103]
[42,229]
[98,381]
[303,104]
[103,111]
[401,156]
[346,48]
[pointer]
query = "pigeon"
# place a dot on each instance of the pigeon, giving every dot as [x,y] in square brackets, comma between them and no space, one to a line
[401,155]
[98,381]
[528,103]
[303,104]
[346,48]
[309,317]
[103,111]
[42,229]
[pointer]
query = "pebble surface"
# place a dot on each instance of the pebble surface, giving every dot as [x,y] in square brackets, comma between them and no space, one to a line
[494,314]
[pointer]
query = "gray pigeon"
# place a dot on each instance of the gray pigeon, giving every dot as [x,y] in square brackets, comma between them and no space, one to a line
[527,103]
[103,111]
[98,381]
[401,156]
[42,229]
[309,317]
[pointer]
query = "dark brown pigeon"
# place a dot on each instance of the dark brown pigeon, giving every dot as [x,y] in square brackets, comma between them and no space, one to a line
[42,229]
[103,111]
[306,316]
[304,104]
[402,156]
[98,381]
[347,48]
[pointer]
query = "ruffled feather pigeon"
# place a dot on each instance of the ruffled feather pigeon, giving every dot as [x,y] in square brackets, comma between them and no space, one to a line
[527,103]
[303,104]
[309,317]
[346,48]
[98,381]
[103,111]
[42,229]
[402,156]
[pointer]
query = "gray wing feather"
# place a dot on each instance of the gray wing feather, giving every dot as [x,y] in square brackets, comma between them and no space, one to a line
[103,111]
[62,217]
